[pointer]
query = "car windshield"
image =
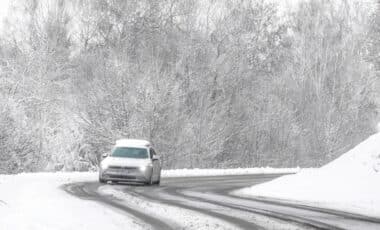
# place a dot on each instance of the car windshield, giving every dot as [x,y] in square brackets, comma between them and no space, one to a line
[130,152]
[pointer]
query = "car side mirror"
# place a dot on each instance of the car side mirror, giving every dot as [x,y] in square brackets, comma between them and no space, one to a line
[104,155]
[155,158]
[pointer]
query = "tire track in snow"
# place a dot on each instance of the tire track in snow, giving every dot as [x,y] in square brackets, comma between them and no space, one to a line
[168,193]
[210,196]
[194,205]
[268,213]
[309,216]
[87,191]
[187,218]
[170,185]
[188,192]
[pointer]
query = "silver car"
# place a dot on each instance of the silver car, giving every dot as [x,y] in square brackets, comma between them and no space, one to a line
[131,160]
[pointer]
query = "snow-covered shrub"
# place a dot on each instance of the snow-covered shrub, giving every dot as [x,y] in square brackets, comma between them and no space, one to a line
[18,141]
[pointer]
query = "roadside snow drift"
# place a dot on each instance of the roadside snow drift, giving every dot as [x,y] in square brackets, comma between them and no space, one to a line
[35,202]
[350,183]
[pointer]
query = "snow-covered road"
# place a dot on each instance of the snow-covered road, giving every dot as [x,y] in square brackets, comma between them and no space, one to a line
[67,201]
[39,201]
[206,203]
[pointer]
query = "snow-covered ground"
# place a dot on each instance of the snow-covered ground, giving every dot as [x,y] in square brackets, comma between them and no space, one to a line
[35,201]
[349,183]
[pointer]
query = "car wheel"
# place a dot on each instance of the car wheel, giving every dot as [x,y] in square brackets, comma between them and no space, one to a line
[158,180]
[150,181]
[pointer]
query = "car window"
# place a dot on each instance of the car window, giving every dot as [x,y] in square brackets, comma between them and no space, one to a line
[130,152]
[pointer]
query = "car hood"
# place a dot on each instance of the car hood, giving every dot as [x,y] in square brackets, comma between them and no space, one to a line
[125,162]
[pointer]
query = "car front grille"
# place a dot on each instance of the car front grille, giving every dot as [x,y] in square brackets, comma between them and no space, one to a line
[121,170]
[122,167]
[122,177]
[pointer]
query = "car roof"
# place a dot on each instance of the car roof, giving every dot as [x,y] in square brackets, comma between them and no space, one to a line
[132,143]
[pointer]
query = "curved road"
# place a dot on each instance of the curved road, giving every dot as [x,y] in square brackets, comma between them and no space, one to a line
[210,196]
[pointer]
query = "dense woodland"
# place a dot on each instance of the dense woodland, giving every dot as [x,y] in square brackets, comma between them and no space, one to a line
[211,83]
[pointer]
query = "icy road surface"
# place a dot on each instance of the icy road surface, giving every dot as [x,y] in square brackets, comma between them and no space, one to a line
[207,203]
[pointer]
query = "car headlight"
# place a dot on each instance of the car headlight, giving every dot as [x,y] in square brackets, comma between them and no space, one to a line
[103,165]
[143,167]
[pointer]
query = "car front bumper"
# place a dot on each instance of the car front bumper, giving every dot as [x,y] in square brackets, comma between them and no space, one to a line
[126,174]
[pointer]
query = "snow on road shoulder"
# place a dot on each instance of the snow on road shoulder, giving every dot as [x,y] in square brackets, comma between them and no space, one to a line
[350,183]
[224,172]
[35,202]
[183,218]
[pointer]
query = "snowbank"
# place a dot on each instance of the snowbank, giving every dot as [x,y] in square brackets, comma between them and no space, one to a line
[224,172]
[350,183]
[35,202]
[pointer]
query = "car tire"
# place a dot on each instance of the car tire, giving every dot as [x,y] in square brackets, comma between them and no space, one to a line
[158,180]
[150,181]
